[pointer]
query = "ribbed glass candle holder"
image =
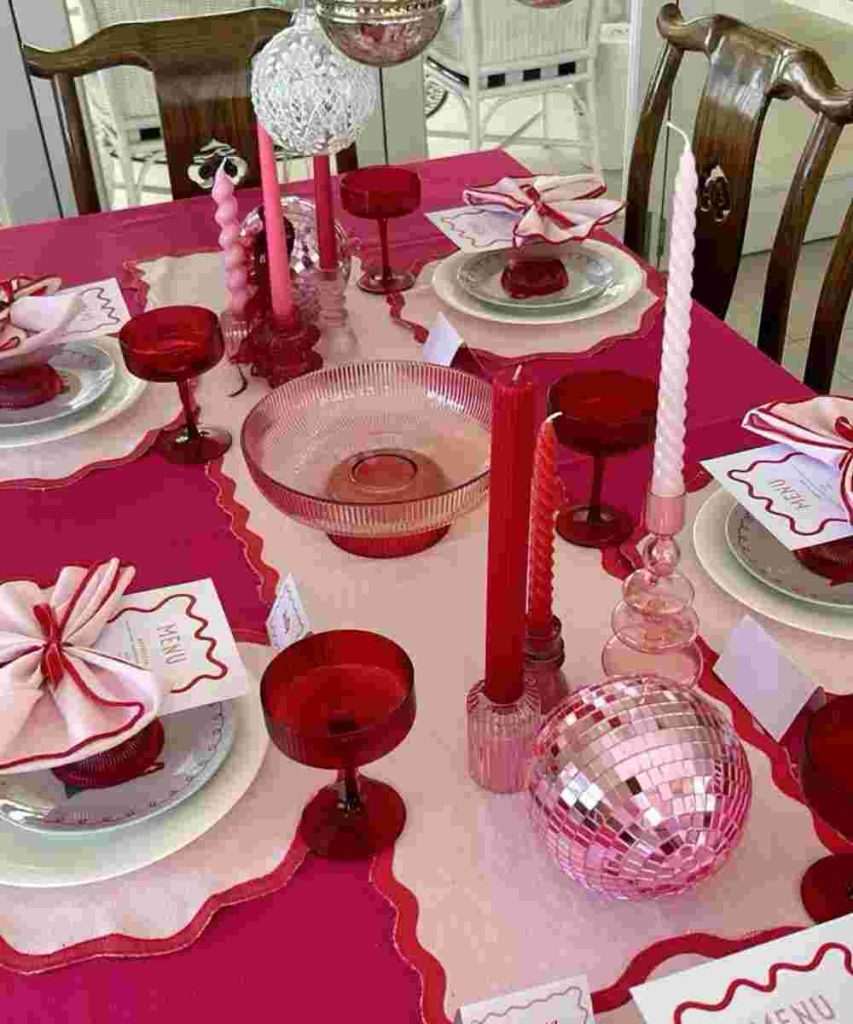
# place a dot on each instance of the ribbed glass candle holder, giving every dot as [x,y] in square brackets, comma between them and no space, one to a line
[501,737]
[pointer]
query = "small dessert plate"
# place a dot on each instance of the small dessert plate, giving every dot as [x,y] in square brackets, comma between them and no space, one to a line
[589,274]
[196,744]
[87,372]
[768,560]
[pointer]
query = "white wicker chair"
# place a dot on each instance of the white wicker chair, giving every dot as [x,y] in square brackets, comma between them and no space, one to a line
[122,101]
[500,50]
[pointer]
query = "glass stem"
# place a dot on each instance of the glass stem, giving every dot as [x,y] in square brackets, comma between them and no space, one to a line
[350,796]
[189,413]
[383,242]
[595,496]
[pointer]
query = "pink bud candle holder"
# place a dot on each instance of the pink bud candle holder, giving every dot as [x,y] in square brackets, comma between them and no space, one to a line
[655,626]
[501,736]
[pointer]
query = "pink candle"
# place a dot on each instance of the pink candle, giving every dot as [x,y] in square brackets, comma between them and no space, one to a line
[234,255]
[668,470]
[281,290]
[513,435]
[545,501]
[325,213]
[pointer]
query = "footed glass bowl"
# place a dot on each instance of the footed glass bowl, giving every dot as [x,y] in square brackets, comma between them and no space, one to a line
[382,456]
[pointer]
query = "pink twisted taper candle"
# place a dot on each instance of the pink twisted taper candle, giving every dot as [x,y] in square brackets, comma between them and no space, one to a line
[668,469]
[234,255]
[545,501]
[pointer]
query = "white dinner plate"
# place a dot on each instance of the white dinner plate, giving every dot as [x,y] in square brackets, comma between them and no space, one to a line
[124,391]
[760,553]
[715,556]
[196,743]
[628,279]
[35,860]
[87,371]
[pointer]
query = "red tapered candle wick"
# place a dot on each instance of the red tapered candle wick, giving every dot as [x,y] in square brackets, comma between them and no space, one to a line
[513,438]
[545,501]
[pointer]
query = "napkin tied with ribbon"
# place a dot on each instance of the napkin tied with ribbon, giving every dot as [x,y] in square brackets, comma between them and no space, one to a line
[550,208]
[61,698]
[28,306]
[819,427]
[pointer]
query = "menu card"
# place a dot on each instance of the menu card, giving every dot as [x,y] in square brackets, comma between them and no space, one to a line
[796,497]
[180,634]
[805,978]
[104,310]
[560,1002]
[476,228]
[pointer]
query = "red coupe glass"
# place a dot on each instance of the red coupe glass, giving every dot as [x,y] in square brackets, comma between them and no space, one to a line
[603,412]
[380,193]
[826,772]
[174,344]
[340,700]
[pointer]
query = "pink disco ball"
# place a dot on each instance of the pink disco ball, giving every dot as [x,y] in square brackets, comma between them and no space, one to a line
[639,787]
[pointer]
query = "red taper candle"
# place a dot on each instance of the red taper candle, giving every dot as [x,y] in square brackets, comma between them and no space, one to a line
[513,438]
[325,213]
[545,500]
[281,289]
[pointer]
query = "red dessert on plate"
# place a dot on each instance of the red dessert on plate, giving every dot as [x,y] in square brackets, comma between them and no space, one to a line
[834,560]
[31,385]
[529,278]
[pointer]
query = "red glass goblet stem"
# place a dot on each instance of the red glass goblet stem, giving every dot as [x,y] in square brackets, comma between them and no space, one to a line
[189,412]
[595,493]
[383,242]
[349,789]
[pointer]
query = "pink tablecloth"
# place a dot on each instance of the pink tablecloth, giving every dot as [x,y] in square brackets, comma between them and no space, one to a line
[328,946]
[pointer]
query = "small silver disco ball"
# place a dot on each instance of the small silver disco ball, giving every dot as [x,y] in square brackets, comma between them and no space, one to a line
[381,33]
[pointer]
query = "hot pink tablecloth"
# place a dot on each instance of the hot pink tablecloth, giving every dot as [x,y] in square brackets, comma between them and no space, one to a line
[333,944]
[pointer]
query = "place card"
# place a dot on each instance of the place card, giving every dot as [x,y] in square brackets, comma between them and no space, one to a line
[560,1002]
[287,621]
[476,228]
[796,497]
[805,978]
[443,342]
[104,310]
[756,670]
[180,634]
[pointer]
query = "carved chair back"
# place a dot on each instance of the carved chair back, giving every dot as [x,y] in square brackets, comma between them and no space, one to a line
[747,69]
[831,310]
[201,69]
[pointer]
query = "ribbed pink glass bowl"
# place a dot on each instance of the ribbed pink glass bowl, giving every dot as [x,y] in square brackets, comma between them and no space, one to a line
[640,788]
[381,456]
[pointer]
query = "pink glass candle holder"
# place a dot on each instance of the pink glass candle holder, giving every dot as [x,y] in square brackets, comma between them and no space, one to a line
[127,761]
[544,655]
[500,737]
[603,413]
[639,788]
[655,627]
[827,781]
[341,700]
[382,193]
[174,344]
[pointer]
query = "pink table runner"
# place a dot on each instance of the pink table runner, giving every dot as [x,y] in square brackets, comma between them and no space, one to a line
[282,948]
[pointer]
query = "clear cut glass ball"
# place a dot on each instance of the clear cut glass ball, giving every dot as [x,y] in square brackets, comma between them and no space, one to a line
[309,96]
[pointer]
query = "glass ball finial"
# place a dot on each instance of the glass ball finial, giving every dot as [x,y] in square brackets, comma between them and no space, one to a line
[310,97]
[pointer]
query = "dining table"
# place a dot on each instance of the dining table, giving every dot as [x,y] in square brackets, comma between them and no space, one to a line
[249,924]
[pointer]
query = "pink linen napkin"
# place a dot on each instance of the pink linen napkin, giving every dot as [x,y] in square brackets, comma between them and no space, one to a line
[819,427]
[551,208]
[29,309]
[61,699]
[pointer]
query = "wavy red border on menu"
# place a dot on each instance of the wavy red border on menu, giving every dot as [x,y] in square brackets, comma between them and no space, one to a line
[769,986]
[767,500]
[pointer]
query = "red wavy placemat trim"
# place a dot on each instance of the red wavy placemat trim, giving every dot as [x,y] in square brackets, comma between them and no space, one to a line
[118,945]
[430,971]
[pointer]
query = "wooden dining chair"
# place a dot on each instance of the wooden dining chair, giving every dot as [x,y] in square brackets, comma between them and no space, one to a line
[747,69]
[831,311]
[201,69]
